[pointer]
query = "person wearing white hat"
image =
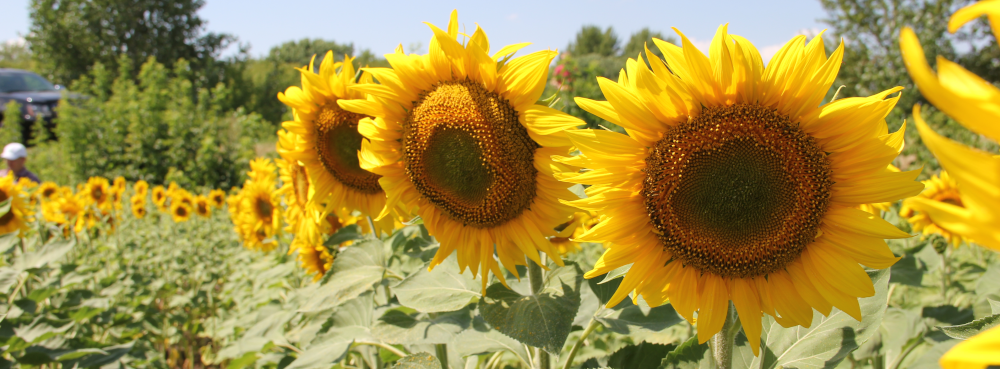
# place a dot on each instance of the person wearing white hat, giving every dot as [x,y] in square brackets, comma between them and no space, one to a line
[16,154]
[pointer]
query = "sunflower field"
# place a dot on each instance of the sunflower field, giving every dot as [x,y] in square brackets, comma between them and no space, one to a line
[441,212]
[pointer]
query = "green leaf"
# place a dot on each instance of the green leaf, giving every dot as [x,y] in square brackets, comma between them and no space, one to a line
[8,278]
[8,241]
[420,360]
[347,233]
[542,320]
[994,305]
[397,327]
[617,273]
[908,271]
[354,271]
[39,331]
[899,328]
[322,354]
[689,355]
[4,207]
[645,355]
[628,319]
[478,342]
[829,339]
[244,361]
[34,358]
[111,355]
[46,254]
[443,289]
[967,330]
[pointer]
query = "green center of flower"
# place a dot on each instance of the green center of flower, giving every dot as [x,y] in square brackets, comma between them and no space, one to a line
[467,153]
[337,145]
[738,191]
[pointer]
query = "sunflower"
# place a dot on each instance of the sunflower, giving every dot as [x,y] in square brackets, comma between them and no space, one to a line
[182,196]
[202,207]
[217,198]
[262,169]
[160,198]
[982,351]
[973,102]
[119,183]
[47,191]
[324,139]
[180,212]
[735,184]
[459,140]
[26,186]
[258,215]
[141,187]
[138,206]
[941,189]
[565,240]
[313,255]
[295,184]
[18,213]
[97,191]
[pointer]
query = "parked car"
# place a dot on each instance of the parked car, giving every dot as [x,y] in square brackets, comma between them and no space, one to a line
[36,95]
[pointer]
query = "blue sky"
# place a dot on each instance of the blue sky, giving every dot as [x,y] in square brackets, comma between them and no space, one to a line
[381,25]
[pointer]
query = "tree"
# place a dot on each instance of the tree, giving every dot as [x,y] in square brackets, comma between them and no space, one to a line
[873,61]
[68,37]
[591,40]
[642,39]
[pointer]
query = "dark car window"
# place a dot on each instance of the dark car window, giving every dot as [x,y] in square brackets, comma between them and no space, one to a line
[14,82]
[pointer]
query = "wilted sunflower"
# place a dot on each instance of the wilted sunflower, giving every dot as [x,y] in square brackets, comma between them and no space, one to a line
[202,207]
[458,139]
[942,189]
[141,188]
[324,138]
[160,198]
[47,191]
[295,184]
[138,203]
[19,213]
[217,198]
[734,184]
[258,215]
[179,211]
[975,103]
[97,191]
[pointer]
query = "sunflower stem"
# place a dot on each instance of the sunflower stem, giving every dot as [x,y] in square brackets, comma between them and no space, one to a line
[576,347]
[536,278]
[442,354]
[722,343]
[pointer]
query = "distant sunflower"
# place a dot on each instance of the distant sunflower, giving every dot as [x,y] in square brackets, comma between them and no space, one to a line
[217,198]
[942,189]
[258,215]
[47,191]
[138,203]
[565,240]
[119,183]
[180,212]
[735,184]
[202,207]
[327,140]
[160,198]
[182,196]
[459,140]
[313,255]
[16,218]
[295,185]
[141,187]
[262,169]
[97,191]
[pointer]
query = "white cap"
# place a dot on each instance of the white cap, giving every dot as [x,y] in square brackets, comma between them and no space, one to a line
[14,151]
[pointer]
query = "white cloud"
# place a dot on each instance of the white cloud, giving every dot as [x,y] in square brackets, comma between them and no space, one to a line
[17,41]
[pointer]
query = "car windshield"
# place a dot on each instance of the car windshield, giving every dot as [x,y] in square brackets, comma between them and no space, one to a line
[15,82]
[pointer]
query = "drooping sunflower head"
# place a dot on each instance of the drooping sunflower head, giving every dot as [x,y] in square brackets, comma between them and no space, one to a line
[296,190]
[138,203]
[47,191]
[324,139]
[202,206]
[141,187]
[313,255]
[19,212]
[458,139]
[160,197]
[217,198]
[97,191]
[258,215]
[940,189]
[180,212]
[734,181]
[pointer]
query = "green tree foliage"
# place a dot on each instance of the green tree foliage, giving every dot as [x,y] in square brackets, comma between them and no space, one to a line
[156,128]
[16,55]
[873,61]
[593,54]
[68,37]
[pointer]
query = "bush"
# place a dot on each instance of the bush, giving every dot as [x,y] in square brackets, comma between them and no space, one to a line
[155,128]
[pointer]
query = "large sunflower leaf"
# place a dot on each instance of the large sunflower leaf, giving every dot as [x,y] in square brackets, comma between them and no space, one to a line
[445,288]
[967,330]
[322,354]
[398,327]
[420,360]
[543,320]
[829,339]
[8,241]
[48,253]
[645,355]
[354,271]
[689,355]
[8,278]
[482,341]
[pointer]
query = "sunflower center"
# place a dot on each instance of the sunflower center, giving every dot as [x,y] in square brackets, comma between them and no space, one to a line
[264,209]
[182,211]
[6,218]
[738,191]
[300,184]
[467,153]
[97,193]
[337,145]
[48,192]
